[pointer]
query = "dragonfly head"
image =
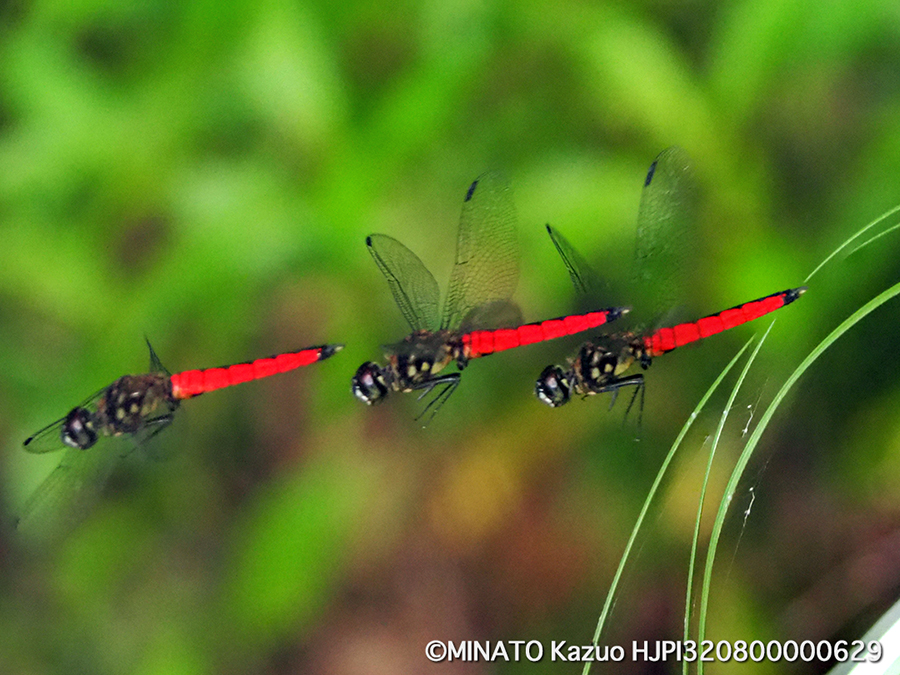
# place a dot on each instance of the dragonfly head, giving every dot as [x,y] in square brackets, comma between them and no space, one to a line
[553,387]
[369,384]
[78,429]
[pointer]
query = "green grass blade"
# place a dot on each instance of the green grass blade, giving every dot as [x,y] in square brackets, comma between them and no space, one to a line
[873,239]
[738,471]
[652,493]
[884,216]
[712,454]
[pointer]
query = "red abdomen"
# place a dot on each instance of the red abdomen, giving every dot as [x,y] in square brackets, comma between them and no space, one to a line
[666,339]
[195,382]
[484,342]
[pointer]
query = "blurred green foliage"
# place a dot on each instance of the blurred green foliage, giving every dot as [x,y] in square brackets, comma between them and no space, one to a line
[205,174]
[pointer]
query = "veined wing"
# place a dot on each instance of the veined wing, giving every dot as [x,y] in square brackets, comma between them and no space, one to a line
[487,250]
[414,288]
[584,278]
[67,495]
[156,365]
[665,232]
[496,314]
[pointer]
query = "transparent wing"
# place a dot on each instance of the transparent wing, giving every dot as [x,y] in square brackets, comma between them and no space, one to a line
[413,286]
[585,279]
[665,232]
[71,491]
[47,439]
[67,495]
[496,314]
[487,250]
[156,365]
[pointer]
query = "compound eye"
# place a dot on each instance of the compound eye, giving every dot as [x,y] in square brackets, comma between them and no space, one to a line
[552,387]
[368,384]
[78,429]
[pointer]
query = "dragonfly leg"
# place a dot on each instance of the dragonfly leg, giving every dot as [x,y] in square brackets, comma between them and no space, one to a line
[157,424]
[449,382]
[151,427]
[639,387]
[636,381]
[149,430]
[612,399]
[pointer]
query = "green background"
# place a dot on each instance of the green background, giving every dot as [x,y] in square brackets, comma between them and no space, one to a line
[206,174]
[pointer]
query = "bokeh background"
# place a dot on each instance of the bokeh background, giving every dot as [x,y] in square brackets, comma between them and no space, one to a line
[205,173]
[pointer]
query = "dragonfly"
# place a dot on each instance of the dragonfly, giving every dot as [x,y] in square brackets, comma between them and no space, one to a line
[601,364]
[478,317]
[142,405]
[138,407]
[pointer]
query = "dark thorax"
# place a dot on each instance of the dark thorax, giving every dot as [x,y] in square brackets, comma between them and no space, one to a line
[420,356]
[600,364]
[131,401]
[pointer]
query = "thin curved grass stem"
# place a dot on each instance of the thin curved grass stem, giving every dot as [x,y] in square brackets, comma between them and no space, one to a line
[650,495]
[743,460]
[884,216]
[712,454]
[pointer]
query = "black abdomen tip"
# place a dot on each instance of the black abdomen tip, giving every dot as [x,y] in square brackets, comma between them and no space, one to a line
[369,240]
[327,351]
[793,294]
[471,190]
